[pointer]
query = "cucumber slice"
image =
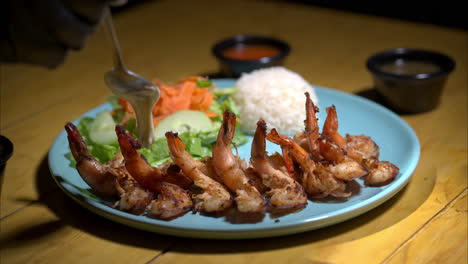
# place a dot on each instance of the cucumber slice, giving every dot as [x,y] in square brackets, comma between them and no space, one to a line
[183,121]
[102,130]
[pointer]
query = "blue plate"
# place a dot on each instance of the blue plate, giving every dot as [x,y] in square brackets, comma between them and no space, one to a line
[398,144]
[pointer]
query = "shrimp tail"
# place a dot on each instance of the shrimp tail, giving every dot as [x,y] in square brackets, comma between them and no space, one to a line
[311,122]
[258,142]
[311,127]
[227,128]
[77,144]
[330,127]
[128,144]
[176,145]
[276,138]
[286,142]
[288,161]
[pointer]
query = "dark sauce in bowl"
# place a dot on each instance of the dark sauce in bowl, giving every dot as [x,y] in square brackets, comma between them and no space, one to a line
[410,80]
[251,51]
[409,67]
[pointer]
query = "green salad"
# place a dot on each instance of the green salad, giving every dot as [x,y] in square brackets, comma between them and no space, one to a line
[195,128]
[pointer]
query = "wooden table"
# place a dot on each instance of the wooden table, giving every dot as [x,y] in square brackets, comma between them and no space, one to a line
[425,223]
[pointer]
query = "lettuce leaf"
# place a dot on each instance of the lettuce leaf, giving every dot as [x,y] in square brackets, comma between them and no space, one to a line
[198,144]
[203,83]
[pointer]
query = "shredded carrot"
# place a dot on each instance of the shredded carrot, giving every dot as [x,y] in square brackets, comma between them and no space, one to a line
[184,95]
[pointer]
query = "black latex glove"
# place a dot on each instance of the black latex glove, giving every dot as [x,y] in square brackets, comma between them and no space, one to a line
[42,32]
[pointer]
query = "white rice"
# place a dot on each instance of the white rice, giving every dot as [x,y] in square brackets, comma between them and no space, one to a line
[276,95]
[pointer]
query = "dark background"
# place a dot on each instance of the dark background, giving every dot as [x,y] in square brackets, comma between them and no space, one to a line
[442,13]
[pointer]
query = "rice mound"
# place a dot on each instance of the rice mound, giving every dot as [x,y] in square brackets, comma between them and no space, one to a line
[275,95]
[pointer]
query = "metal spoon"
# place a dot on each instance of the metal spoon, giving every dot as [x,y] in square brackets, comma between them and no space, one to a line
[139,92]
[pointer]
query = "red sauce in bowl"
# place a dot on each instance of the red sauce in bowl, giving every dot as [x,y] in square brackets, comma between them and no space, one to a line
[250,51]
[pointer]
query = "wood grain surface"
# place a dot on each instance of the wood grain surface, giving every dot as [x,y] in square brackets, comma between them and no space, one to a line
[425,223]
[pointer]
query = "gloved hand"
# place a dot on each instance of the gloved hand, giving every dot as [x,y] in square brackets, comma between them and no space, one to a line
[41,32]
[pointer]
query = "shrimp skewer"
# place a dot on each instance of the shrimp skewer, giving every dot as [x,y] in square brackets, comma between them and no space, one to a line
[317,181]
[214,197]
[248,198]
[285,192]
[172,199]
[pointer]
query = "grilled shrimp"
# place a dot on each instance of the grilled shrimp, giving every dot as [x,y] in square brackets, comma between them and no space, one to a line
[214,196]
[112,179]
[333,147]
[148,176]
[338,162]
[322,147]
[330,146]
[361,147]
[380,172]
[357,147]
[361,151]
[101,178]
[248,198]
[317,181]
[133,197]
[172,199]
[284,191]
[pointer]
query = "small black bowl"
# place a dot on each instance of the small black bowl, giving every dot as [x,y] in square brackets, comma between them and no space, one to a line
[268,52]
[6,150]
[410,80]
